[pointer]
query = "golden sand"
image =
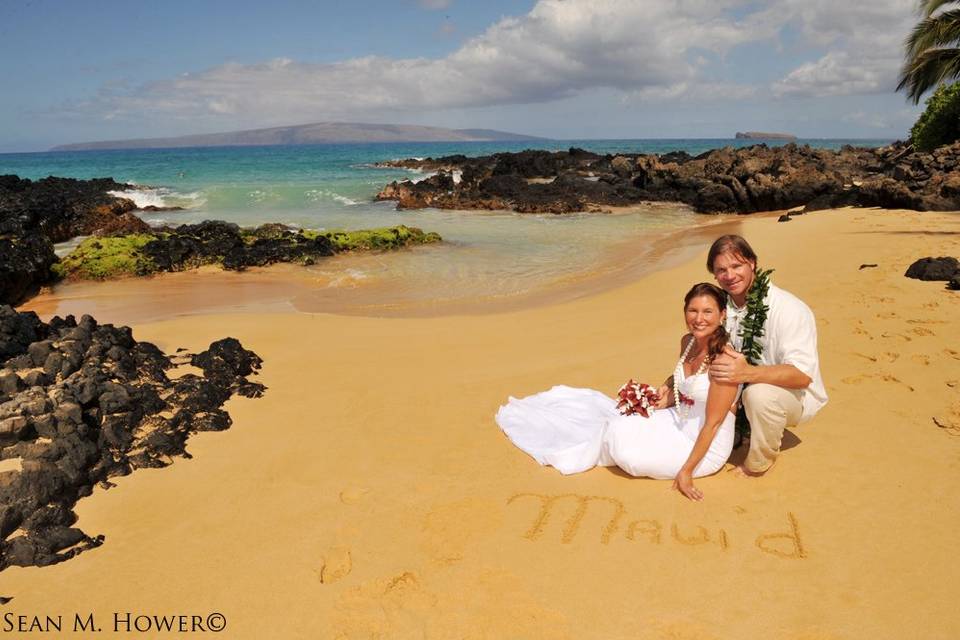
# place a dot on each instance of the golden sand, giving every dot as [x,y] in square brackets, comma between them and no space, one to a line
[369,493]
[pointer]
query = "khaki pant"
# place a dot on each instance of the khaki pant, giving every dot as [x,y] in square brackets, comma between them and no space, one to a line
[770,409]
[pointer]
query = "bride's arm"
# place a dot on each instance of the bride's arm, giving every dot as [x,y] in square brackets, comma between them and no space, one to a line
[720,398]
[666,389]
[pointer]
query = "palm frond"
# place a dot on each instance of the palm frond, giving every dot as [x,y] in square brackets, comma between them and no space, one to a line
[928,69]
[941,31]
[929,7]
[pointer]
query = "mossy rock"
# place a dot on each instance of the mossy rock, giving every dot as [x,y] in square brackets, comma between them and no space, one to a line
[108,257]
[118,256]
[380,238]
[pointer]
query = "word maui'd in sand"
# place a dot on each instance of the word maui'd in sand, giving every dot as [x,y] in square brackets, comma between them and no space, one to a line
[782,544]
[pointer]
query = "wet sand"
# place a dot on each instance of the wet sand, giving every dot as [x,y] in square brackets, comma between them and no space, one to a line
[369,494]
[333,286]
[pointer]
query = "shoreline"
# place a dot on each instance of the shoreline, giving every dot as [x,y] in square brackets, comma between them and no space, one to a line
[285,287]
[370,494]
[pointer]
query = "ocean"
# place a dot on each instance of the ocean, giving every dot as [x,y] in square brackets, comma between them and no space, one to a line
[486,256]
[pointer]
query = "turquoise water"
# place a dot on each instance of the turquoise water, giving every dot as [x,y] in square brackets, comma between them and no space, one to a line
[486,255]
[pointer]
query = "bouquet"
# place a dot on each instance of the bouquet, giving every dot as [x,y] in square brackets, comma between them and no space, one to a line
[637,397]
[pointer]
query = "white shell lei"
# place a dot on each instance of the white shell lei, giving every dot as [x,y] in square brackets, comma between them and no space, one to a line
[683,409]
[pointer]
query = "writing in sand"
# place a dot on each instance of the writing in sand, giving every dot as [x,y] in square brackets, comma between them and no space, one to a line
[785,543]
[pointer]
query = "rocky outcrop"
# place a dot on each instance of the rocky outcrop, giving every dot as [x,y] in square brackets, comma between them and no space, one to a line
[756,178]
[59,208]
[944,268]
[81,403]
[36,214]
[225,244]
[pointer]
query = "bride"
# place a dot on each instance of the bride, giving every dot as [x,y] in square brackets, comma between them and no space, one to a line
[577,429]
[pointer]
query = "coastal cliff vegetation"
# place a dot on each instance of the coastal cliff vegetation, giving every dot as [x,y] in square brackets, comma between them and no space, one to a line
[931,60]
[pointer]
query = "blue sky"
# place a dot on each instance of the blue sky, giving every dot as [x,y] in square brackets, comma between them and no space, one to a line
[79,71]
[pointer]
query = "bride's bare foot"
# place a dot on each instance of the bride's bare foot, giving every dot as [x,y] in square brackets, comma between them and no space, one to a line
[742,471]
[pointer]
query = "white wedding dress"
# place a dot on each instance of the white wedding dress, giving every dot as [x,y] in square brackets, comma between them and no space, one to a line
[574,430]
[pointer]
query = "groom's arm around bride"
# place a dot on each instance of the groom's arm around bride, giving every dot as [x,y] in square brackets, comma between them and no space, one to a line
[784,386]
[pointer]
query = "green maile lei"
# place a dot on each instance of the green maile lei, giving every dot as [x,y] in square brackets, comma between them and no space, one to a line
[751,330]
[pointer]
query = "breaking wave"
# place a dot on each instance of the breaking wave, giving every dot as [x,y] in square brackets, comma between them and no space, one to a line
[161,197]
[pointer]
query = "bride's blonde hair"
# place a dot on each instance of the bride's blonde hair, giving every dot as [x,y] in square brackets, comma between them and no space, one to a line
[720,337]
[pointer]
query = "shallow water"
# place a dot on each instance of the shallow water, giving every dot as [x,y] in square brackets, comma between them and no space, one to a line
[486,255]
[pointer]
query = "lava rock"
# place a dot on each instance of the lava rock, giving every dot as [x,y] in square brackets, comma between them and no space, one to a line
[745,180]
[943,268]
[101,406]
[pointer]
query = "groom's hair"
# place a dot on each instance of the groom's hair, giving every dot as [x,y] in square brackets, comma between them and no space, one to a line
[730,243]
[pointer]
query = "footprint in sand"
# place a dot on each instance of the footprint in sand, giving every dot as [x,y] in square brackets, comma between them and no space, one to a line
[885,377]
[887,356]
[949,420]
[953,354]
[336,565]
[353,495]
[451,529]
[889,334]
[953,383]
[859,330]
[487,603]
[888,315]
[923,331]
[920,359]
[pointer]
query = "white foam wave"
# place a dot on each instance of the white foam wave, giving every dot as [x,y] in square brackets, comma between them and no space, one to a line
[258,196]
[456,174]
[317,195]
[161,197]
[350,278]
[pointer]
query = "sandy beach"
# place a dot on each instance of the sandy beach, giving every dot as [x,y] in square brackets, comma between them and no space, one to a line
[369,493]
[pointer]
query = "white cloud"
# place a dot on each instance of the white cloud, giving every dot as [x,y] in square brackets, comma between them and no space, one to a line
[434,5]
[840,73]
[650,51]
[557,50]
[864,42]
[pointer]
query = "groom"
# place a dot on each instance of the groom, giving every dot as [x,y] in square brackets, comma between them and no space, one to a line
[784,388]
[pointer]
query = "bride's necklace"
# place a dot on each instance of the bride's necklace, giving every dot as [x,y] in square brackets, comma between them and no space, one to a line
[683,409]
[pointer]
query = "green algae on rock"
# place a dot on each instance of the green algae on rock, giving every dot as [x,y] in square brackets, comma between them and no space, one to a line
[107,257]
[381,238]
[227,245]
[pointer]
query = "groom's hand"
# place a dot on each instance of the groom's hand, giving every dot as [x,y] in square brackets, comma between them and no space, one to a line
[730,366]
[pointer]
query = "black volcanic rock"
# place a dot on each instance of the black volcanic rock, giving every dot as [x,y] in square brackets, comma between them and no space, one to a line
[746,180]
[102,406]
[35,214]
[189,245]
[943,268]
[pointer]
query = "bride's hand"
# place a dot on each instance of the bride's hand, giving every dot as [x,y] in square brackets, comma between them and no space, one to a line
[684,484]
[665,397]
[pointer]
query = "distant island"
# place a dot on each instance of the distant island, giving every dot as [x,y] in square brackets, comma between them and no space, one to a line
[761,135]
[317,133]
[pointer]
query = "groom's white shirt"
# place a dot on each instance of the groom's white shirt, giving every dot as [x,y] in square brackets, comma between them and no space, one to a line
[789,337]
